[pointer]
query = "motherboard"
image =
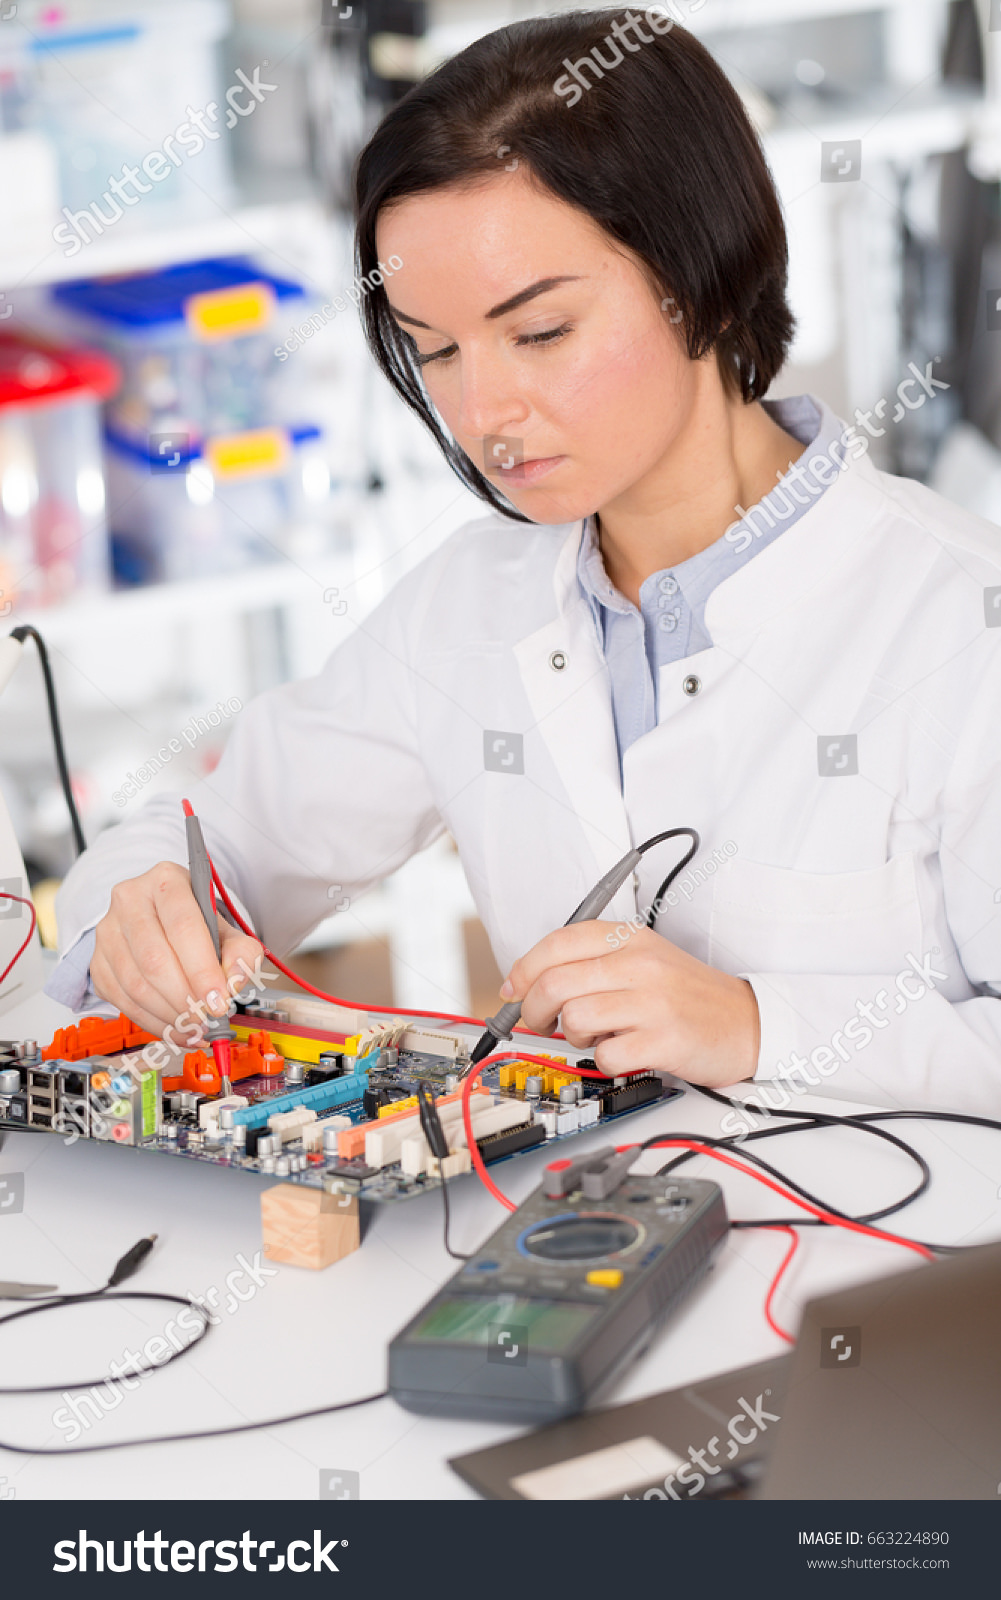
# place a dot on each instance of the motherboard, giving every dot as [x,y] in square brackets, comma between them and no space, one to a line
[322,1095]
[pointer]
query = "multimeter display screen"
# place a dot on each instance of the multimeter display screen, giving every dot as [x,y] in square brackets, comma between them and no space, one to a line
[542,1324]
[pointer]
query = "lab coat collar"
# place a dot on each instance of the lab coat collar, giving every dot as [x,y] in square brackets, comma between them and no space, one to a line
[571,703]
[566,682]
[831,531]
[841,517]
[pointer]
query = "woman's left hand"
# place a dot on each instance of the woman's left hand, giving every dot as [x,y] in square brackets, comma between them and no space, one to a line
[644,1004]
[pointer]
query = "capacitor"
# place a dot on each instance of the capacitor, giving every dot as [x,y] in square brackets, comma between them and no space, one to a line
[267,1164]
[10,1080]
[330,1141]
[170,1131]
[451,1082]
[392,1056]
[281,1166]
[266,1144]
[240,1135]
[568,1095]
[226,1118]
[533,1087]
[331,1061]
[27,1050]
[294,1072]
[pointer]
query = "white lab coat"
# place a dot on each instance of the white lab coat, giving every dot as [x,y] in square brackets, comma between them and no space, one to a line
[861,627]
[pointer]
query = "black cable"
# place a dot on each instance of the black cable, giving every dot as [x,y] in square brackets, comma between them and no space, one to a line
[673,833]
[434,1133]
[22,633]
[50,1302]
[183,1438]
[129,1263]
[804,1120]
[863,1122]
[457,1255]
[730,1143]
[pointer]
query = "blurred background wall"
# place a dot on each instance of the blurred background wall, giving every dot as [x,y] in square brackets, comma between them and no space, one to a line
[207,510]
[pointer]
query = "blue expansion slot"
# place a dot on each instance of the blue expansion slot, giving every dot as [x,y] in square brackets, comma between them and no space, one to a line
[319,1097]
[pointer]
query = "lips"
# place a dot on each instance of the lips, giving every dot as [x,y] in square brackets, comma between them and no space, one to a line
[528,471]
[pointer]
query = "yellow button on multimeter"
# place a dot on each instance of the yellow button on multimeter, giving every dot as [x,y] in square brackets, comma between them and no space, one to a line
[605,1277]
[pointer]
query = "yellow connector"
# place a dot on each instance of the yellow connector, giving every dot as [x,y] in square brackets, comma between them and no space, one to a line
[506,1075]
[350,1046]
[521,1073]
[397,1105]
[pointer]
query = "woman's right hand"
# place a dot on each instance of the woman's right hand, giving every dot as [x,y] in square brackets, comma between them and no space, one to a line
[154,958]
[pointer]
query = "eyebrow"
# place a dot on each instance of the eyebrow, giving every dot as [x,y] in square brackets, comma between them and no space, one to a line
[516,300]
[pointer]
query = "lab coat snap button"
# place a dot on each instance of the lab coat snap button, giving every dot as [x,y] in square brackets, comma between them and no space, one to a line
[558,661]
[692,685]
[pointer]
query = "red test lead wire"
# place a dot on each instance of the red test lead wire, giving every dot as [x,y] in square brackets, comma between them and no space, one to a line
[321,994]
[6,895]
[827,1217]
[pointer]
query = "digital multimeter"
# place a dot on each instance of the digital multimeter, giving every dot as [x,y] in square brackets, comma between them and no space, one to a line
[569,1289]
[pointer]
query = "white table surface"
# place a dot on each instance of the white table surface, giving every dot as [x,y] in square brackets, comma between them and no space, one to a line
[308,1338]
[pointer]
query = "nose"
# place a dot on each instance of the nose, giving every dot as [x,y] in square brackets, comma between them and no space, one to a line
[490,401]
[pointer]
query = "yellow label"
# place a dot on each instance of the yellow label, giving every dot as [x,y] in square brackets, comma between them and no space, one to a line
[229,313]
[258,453]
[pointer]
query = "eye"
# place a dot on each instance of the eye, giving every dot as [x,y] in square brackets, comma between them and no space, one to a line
[549,336]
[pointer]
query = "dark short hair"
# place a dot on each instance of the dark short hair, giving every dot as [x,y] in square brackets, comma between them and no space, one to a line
[659,152]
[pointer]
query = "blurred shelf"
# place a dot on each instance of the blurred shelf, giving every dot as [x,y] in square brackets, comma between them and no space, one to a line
[453,32]
[722,15]
[256,588]
[252,225]
[894,124]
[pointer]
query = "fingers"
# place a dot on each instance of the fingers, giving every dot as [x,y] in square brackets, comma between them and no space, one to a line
[581,942]
[181,921]
[241,956]
[558,985]
[116,978]
[154,957]
[592,1016]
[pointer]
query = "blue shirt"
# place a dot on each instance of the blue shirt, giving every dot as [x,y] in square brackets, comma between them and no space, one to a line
[669,624]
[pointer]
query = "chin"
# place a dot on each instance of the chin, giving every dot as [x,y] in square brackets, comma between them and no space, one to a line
[551,509]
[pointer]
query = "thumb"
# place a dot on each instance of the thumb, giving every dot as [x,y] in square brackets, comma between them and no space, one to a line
[242,958]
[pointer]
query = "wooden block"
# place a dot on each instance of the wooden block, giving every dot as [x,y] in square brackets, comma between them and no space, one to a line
[307,1227]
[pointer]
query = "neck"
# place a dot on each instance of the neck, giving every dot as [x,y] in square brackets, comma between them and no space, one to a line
[725,453]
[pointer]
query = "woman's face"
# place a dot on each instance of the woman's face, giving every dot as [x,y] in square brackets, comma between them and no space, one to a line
[585,384]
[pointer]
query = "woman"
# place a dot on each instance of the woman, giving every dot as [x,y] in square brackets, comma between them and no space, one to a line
[589,312]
